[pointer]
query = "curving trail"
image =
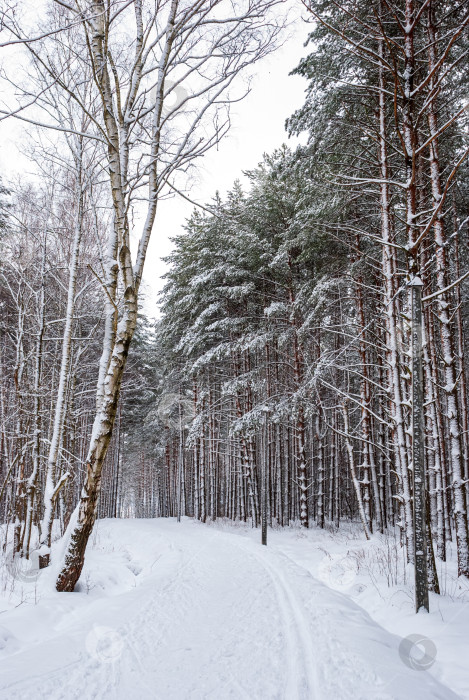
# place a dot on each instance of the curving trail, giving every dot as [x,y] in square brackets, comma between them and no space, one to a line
[188,612]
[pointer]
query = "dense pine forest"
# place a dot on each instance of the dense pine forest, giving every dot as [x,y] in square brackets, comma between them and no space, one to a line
[285,337]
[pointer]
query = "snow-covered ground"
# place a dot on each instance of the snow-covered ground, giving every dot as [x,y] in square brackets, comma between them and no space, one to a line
[191,611]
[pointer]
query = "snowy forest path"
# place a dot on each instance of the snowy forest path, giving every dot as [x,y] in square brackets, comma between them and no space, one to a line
[192,612]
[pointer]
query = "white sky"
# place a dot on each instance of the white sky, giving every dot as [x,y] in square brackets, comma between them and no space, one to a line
[257,128]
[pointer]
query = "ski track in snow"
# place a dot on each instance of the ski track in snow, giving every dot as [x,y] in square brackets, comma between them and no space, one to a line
[210,615]
[301,679]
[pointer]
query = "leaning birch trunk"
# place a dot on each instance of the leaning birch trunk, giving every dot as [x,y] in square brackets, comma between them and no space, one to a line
[84,517]
[115,345]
